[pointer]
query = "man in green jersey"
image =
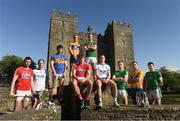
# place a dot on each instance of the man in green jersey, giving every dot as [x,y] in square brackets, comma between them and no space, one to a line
[120,77]
[153,82]
[90,48]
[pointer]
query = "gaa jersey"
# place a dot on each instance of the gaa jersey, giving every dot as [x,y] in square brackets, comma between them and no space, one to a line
[59,60]
[103,70]
[118,74]
[152,79]
[75,47]
[91,53]
[135,76]
[40,77]
[24,78]
[81,69]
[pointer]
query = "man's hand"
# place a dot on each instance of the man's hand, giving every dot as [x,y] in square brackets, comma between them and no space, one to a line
[12,94]
[160,84]
[54,74]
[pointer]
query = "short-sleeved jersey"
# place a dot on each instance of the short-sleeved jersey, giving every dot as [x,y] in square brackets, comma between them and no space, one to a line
[152,79]
[75,46]
[24,78]
[59,60]
[136,75]
[91,53]
[40,77]
[118,74]
[103,70]
[81,69]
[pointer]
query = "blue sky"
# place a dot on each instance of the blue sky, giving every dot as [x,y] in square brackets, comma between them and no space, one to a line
[24,26]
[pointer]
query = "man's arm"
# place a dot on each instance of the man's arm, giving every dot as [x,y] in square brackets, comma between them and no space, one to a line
[108,75]
[93,47]
[65,68]
[52,67]
[32,85]
[15,77]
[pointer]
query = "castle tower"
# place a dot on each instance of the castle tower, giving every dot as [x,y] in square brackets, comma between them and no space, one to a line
[62,28]
[117,44]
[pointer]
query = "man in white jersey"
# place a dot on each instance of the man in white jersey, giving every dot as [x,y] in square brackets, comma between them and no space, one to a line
[40,82]
[103,75]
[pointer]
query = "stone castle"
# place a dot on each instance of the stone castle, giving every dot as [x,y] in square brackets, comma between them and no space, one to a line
[116,43]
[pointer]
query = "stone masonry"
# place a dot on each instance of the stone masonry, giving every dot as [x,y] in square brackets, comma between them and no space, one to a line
[116,44]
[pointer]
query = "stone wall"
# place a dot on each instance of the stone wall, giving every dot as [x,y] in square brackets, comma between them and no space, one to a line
[165,112]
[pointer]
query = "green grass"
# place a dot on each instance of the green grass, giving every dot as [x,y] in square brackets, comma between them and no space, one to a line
[171,96]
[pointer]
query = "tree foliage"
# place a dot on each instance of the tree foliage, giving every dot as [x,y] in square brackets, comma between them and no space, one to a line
[171,79]
[8,65]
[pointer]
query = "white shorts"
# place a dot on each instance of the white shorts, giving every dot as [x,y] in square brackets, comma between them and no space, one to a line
[91,60]
[56,80]
[154,94]
[81,78]
[122,93]
[21,95]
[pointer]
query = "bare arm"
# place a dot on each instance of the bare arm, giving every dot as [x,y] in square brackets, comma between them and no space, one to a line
[52,67]
[121,79]
[32,85]
[65,67]
[15,77]
[70,50]
[160,81]
[92,47]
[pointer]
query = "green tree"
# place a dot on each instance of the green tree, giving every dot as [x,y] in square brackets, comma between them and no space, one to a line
[8,65]
[170,78]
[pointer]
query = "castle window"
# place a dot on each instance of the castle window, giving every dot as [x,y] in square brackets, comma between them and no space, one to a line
[124,57]
[123,43]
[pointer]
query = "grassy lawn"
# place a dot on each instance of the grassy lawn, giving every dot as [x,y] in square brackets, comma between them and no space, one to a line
[171,96]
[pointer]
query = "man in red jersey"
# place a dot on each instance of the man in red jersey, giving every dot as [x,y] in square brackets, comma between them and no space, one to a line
[24,86]
[81,74]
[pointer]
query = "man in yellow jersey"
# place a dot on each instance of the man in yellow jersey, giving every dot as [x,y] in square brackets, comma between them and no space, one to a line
[135,81]
[74,50]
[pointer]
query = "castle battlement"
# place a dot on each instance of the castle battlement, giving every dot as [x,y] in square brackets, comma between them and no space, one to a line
[61,16]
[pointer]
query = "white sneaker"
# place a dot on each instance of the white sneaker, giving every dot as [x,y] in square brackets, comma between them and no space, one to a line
[116,104]
[100,104]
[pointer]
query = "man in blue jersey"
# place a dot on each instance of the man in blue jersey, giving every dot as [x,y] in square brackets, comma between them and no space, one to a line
[58,67]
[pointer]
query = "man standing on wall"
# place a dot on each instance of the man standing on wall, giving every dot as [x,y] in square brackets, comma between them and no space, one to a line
[58,67]
[90,48]
[74,50]
[136,77]
[153,82]
[24,76]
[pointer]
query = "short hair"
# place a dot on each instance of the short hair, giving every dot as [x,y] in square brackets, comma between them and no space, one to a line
[134,62]
[59,46]
[74,35]
[120,61]
[102,55]
[150,63]
[41,60]
[81,56]
[27,58]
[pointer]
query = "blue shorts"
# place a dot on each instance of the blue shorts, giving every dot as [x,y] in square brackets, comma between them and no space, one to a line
[74,60]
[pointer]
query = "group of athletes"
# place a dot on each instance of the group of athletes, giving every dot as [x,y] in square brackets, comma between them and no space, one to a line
[122,83]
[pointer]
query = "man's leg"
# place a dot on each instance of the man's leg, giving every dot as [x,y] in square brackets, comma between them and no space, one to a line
[112,84]
[34,102]
[99,91]
[17,105]
[76,88]
[25,103]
